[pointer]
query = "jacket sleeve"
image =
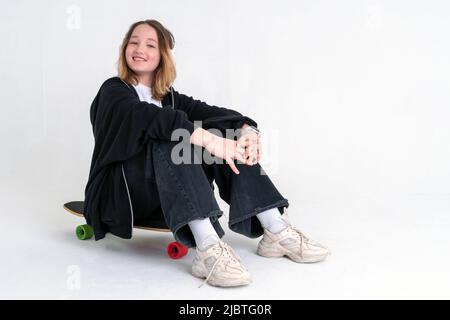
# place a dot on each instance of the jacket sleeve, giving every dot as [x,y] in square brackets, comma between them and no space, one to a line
[212,116]
[122,123]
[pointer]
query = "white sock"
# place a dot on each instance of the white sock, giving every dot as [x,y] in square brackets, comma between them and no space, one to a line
[271,220]
[204,233]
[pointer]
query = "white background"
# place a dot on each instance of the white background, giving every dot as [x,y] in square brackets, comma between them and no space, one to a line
[352,98]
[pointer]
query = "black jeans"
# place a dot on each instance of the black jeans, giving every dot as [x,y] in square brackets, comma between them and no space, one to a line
[176,194]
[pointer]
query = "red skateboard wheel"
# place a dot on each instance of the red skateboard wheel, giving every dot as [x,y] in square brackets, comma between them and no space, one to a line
[176,250]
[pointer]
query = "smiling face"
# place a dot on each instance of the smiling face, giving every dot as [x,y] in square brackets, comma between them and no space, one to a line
[142,53]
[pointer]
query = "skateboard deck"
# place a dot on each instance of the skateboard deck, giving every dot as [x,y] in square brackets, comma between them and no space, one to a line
[76,208]
[84,232]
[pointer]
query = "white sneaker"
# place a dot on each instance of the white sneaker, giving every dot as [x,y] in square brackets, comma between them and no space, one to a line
[292,243]
[220,265]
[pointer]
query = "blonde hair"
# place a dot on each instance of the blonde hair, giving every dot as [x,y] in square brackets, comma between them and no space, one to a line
[165,73]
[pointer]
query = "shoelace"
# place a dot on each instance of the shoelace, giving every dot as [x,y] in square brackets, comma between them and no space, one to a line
[226,253]
[303,238]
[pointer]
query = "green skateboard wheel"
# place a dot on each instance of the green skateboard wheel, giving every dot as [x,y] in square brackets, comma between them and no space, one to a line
[84,232]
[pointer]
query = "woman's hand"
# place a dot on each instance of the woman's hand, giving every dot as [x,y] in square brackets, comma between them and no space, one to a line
[226,149]
[223,148]
[250,143]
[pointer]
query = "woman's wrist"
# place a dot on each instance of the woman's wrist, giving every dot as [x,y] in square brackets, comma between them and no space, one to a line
[247,128]
[202,137]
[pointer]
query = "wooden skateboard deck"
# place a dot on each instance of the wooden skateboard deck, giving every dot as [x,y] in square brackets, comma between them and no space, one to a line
[76,208]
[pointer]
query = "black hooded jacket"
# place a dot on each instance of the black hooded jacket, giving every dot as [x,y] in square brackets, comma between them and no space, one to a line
[123,126]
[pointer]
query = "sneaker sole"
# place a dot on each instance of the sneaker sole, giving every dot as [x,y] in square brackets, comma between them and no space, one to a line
[267,253]
[224,284]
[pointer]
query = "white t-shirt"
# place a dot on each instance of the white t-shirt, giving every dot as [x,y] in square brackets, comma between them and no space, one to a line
[145,94]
